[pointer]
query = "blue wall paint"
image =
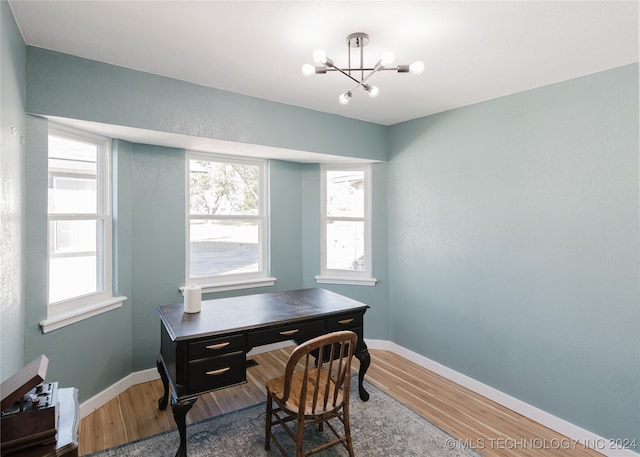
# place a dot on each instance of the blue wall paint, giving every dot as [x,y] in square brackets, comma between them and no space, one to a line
[158,235]
[514,251]
[12,188]
[68,86]
[285,210]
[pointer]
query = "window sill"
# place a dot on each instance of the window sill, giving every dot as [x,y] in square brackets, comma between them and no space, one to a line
[346,281]
[62,320]
[235,285]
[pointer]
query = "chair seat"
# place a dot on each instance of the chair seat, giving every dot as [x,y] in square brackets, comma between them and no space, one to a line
[276,387]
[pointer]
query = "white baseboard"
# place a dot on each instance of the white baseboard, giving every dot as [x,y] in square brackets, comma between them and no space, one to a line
[111,392]
[571,431]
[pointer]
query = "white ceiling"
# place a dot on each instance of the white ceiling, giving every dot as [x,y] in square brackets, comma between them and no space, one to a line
[473,50]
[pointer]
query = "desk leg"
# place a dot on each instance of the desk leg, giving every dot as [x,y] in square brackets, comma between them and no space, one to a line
[164,400]
[180,410]
[365,360]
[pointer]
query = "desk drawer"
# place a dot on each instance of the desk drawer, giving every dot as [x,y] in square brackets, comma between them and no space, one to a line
[286,332]
[344,322]
[215,346]
[216,372]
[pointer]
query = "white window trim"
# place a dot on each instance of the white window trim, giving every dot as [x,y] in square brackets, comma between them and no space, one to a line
[346,281]
[345,277]
[67,312]
[63,319]
[235,285]
[241,280]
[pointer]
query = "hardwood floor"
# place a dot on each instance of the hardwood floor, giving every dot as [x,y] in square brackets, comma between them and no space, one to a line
[490,429]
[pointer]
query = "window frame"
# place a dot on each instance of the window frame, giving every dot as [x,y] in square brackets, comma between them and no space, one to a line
[220,283]
[75,309]
[346,277]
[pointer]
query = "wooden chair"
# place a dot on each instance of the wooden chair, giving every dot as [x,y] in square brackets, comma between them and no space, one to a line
[314,394]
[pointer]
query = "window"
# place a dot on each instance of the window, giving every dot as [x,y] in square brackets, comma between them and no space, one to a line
[227,225]
[79,232]
[346,225]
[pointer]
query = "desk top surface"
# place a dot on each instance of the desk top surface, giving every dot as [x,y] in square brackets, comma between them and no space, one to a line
[228,315]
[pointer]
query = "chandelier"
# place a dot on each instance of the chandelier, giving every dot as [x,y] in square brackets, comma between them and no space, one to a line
[357,41]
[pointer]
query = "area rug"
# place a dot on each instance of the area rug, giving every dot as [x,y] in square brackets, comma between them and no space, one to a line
[380,427]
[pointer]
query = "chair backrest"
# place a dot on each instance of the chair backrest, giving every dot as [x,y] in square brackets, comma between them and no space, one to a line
[326,362]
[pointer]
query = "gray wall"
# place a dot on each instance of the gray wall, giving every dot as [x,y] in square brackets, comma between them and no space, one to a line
[12,102]
[513,246]
[68,86]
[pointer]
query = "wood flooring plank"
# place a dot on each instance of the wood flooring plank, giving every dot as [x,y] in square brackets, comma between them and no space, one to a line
[489,428]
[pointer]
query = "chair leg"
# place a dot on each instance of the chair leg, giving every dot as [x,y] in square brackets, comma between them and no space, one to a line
[267,428]
[347,430]
[299,434]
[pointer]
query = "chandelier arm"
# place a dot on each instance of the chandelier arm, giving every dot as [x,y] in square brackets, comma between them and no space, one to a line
[345,73]
[365,69]
[377,68]
[374,71]
[363,82]
[356,87]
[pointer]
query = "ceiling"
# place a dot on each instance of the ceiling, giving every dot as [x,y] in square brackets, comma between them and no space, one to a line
[472,50]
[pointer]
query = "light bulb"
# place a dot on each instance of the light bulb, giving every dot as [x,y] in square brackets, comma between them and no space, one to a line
[373,90]
[308,69]
[344,98]
[319,56]
[417,67]
[387,59]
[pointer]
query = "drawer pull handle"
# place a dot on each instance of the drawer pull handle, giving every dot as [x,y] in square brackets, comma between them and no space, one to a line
[345,321]
[290,332]
[217,372]
[218,346]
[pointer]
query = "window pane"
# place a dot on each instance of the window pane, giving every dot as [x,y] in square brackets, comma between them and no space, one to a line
[73,259]
[345,193]
[345,246]
[72,176]
[219,188]
[223,247]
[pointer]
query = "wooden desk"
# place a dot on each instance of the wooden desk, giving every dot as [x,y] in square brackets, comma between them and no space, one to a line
[206,351]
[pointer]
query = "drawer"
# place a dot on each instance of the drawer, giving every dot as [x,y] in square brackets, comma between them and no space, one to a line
[344,322]
[215,346]
[216,372]
[285,332]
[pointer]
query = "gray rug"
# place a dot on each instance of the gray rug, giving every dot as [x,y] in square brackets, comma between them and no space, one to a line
[381,427]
